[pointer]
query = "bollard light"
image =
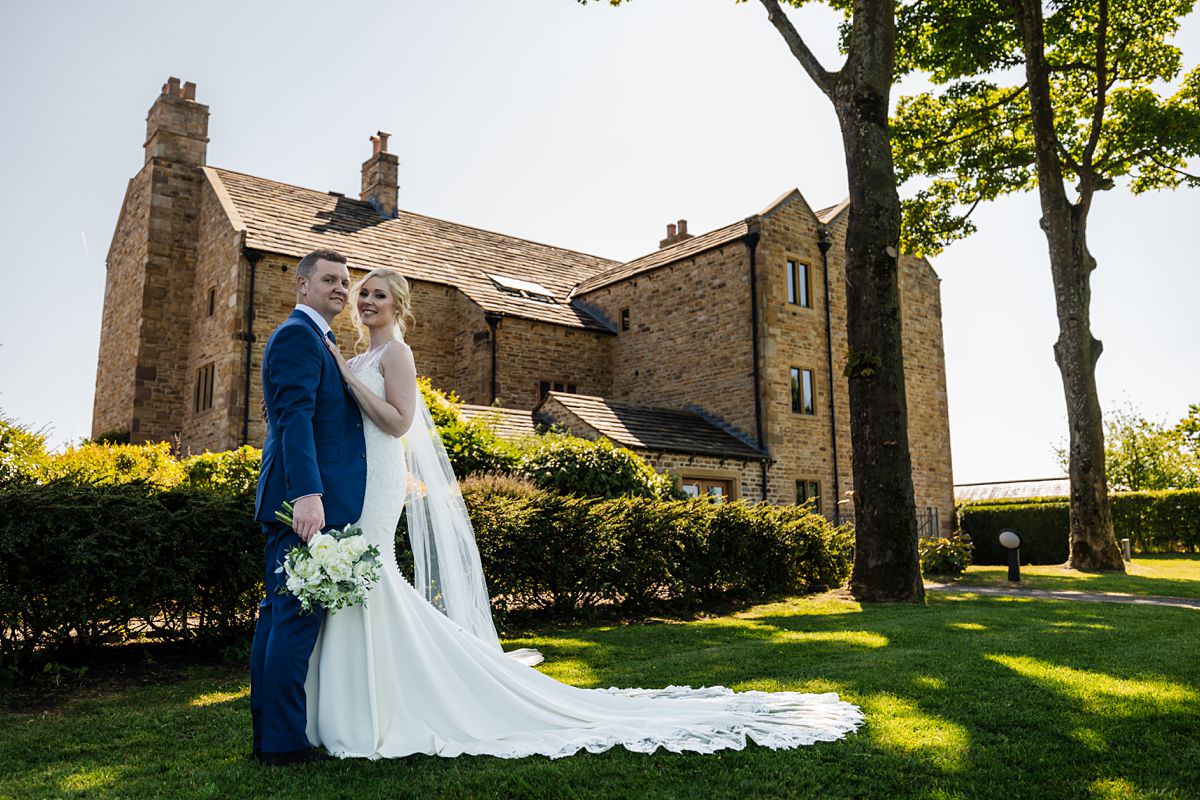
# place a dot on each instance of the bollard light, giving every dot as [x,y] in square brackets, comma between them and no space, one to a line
[1011,541]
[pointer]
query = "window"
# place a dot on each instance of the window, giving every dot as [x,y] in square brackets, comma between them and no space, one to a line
[544,388]
[803,394]
[519,288]
[809,492]
[798,284]
[716,488]
[624,319]
[203,400]
[212,300]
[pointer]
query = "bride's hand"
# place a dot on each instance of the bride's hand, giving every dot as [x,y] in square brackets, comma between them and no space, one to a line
[341,361]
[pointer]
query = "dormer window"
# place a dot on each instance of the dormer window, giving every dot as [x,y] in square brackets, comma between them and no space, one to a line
[519,288]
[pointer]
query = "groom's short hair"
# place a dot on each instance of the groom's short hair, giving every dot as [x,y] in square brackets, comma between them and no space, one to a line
[305,268]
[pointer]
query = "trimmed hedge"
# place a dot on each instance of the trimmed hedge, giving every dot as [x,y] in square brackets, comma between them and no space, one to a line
[1043,528]
[84,564]
[1155,522]
[81,564]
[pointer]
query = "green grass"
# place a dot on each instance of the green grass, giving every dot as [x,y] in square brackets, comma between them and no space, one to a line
[970,697]
[1172,575]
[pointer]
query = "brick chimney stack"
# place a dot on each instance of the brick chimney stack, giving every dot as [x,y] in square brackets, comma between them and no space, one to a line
[177,126]
[380,186]
[676,232]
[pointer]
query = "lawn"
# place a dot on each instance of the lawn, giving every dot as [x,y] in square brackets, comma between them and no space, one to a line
[969,697]
[1162,574]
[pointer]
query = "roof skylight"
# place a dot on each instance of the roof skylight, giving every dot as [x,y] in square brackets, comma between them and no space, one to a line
[520,288]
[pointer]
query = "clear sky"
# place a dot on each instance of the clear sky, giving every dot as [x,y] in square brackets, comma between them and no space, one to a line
[581,126]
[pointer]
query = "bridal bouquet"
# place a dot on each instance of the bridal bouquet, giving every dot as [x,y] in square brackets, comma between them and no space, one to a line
[334,570]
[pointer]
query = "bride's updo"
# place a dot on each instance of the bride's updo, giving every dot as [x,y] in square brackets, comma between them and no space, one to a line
[401,295]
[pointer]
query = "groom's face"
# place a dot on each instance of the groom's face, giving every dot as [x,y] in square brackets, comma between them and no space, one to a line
[327,289]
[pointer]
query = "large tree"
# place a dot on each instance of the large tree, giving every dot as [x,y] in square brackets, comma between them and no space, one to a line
[1089,113]
[886,564]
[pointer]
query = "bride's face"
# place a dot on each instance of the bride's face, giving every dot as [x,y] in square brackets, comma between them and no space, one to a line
[376,306]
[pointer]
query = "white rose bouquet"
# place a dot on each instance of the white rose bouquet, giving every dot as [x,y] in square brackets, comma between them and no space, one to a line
[334,570]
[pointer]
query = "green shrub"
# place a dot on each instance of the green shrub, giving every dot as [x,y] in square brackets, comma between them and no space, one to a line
[81,563]
[22,452]
[232,471]
[1042,527]
[1158,522]
[471,445]
[945,555]
[571,465]
[1155,522]
[88,563]
[100,463]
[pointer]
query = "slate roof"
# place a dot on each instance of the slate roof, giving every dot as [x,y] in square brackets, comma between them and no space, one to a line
[508,423]
[665,255]
[661,429]
[293,221]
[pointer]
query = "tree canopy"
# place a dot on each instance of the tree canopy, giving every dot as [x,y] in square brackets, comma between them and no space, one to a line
[970,139]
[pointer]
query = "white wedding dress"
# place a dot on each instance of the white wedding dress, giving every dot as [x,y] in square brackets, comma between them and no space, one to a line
[398,677]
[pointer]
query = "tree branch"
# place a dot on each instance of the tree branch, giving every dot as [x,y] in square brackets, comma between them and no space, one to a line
[822,77]
[1102,87]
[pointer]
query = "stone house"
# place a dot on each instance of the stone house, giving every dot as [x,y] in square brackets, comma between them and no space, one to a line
[718,356]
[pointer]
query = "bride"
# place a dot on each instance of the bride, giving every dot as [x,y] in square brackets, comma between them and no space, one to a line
[419,668]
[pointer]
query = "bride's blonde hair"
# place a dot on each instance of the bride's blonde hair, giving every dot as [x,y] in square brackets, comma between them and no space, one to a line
[401,295]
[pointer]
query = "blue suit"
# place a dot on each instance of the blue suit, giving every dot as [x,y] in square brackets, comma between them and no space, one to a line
[314,446]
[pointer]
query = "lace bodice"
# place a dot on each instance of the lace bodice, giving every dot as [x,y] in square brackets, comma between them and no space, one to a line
[383,501]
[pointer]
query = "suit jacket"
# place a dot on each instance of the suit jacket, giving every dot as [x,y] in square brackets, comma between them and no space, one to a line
[314,428]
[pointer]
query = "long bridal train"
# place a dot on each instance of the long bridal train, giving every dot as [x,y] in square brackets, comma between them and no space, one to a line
[400,676]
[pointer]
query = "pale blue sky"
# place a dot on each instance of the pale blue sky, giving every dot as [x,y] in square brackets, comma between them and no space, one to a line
[584,127]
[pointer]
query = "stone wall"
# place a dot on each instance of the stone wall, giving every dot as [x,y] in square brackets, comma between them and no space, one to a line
[689,337]
[801,445]
[120,327]
[216,338]
[925,387]
[148,297]
[530,352]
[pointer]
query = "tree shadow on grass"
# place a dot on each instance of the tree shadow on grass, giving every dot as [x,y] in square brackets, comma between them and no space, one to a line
[965,698]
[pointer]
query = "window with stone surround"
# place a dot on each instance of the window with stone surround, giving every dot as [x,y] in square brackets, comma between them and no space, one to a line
[624,319]
[809,491]
[203,400]
[212,300]
[798,284]
[804,395]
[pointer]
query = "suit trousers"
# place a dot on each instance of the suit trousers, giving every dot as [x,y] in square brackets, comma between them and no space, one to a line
[283,642]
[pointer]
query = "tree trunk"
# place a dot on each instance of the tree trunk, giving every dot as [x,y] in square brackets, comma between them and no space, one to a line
[886,565]
[1093,544]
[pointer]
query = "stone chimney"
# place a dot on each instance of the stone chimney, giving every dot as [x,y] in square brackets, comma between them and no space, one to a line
[380,185]
[676,232]
[177,126]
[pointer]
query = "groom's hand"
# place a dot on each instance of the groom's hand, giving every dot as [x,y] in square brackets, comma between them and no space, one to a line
[308,517]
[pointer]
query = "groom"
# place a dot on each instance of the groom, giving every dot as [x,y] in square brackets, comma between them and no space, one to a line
[315,458]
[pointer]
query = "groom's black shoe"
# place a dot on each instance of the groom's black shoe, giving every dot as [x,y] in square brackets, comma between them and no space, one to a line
[292,757]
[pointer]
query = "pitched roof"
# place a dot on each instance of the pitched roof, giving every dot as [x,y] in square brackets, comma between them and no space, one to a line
[293,221]
[509,423]
[661,429]
[665,255]
[828,215]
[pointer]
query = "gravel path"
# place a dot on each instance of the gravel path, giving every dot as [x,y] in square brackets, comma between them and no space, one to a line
[1066,594]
